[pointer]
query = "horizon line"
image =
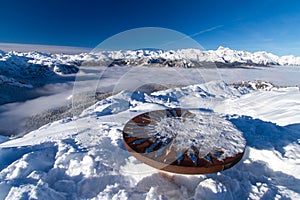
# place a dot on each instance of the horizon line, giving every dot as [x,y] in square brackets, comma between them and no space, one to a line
[48,48]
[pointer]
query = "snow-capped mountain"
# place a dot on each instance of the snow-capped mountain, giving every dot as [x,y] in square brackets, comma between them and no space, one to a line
[32,69]
[33,65]
[222,57]
[36,63]
[20,73]
[83,157]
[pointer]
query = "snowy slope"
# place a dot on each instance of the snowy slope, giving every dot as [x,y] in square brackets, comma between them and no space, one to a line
[84,157]
[13,82]
[22,73]
[33,65]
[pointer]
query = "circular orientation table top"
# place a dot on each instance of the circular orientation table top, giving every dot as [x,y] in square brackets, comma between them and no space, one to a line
[184,141]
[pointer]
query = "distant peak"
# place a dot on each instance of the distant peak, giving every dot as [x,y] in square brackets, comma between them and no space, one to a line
[221,48]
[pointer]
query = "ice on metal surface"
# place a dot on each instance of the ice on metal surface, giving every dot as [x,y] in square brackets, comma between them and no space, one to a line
[200,133]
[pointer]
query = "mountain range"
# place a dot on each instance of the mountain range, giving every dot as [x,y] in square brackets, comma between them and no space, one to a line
[188,58]
[29,70]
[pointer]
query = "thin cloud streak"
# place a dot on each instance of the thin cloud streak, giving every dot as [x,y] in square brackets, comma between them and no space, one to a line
[193,35]
[206,30]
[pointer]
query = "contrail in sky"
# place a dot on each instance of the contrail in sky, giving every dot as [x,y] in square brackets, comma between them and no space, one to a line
[206,30]
[194,34]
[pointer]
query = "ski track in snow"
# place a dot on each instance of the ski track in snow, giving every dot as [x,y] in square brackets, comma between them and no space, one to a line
[84,157]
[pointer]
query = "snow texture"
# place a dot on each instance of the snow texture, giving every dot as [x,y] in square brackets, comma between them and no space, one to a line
[84,157]
[205,131]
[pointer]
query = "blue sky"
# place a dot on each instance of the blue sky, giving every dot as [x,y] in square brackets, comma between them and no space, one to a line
[269,25]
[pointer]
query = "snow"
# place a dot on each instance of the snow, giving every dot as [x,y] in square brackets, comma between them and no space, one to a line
[35,62]
[23,75]
[210,189]
[222,55]
[274,101]
[84,157]
[34,65]
[202,131]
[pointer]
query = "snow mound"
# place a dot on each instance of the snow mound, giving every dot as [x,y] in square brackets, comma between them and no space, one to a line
[84,157]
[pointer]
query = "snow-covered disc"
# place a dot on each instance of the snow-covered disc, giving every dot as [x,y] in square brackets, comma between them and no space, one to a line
[184,141]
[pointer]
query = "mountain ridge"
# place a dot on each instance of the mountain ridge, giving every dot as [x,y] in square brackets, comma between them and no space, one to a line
[187,58]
